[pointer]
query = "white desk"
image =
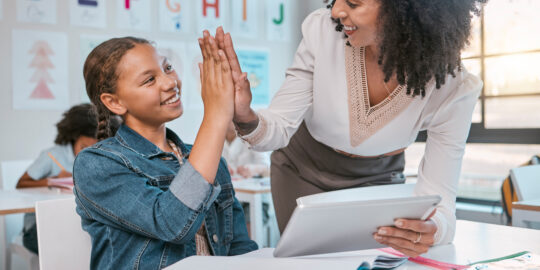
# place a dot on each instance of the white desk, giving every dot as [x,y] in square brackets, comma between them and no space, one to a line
[473,242]
[21,201]
[253,191]
[525,211]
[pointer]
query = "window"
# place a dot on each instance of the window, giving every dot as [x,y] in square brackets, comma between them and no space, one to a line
[504,52]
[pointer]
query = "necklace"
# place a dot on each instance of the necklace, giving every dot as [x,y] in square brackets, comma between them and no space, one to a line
[387,90]
[176,152]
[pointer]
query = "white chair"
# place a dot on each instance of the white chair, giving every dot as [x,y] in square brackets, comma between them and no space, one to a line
[62,242]
[11,172]
[526,181]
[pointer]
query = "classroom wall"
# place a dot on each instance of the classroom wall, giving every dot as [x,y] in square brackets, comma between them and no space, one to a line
[24,133]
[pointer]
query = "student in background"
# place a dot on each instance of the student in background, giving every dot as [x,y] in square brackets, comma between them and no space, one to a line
[76,131]
[242,161]
[147,199]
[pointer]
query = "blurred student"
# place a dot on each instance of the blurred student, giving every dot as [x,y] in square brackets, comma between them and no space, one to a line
[76,131]
[242,161]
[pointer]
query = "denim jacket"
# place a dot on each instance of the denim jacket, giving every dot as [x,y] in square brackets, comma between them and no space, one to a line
[142,208]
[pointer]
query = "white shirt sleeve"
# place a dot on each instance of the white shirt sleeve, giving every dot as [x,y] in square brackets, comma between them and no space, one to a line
[288,108]
[440,168]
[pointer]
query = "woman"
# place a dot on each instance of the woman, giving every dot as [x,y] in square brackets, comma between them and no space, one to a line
[368,75]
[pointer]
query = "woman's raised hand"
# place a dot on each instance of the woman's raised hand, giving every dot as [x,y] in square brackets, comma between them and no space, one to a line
[217,86]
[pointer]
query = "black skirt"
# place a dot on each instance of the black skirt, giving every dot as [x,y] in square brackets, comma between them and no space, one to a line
[307,167]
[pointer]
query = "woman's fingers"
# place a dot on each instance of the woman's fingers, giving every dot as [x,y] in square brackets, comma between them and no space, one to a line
[403,245]
[423,226]
[412,236]
[231,55]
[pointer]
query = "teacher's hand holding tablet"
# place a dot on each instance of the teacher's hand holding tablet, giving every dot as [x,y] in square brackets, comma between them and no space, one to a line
[410,237]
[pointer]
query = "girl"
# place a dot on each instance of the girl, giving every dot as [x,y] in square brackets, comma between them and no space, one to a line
[147,199]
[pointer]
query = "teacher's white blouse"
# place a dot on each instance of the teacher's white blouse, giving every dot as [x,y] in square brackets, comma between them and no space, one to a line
[326,87]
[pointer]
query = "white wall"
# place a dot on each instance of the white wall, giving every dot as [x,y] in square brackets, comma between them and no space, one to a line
[25,133]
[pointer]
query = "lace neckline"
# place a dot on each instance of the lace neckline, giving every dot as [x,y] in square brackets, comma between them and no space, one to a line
[364,119]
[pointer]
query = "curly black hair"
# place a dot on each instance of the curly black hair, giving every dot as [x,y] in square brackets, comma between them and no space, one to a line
[422,39]
[80,120]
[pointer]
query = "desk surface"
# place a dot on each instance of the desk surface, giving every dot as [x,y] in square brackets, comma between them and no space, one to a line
[473,242]
[252,185]
[533,205]
[24,200]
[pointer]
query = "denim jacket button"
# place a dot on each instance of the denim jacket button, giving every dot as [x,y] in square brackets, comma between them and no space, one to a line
[215,238]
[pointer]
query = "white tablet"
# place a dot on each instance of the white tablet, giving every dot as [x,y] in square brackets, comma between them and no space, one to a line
[326,227]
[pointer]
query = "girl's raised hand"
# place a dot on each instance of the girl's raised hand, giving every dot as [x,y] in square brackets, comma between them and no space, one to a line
[217,87]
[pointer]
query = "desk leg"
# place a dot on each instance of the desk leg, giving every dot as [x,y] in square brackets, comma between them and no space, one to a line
[256,216]
[3,244]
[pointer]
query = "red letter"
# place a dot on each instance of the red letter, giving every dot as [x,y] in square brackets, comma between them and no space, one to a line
[214,5]
[244,13]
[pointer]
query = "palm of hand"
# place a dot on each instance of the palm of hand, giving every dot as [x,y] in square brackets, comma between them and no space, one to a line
[242,97]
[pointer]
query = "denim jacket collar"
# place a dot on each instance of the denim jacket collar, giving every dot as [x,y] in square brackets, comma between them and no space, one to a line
[140,145]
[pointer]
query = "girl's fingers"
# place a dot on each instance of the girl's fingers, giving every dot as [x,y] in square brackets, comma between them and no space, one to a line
[224,62]
[214,50]
[208,64]
[226,70]
[201,45]
[200,71]
[220,37]
[206,44]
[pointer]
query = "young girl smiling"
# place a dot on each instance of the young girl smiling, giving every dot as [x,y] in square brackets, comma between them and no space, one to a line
[146,198]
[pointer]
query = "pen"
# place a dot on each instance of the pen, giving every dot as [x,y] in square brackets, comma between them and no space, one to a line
[56,161]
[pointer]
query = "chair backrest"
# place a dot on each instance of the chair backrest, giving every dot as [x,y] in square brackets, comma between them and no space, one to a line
[526,181]
[11,172]
[62,242]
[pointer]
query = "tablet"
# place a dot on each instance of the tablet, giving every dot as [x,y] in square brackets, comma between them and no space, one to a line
[327,227]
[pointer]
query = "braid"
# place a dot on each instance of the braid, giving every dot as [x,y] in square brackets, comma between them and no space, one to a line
[103,118]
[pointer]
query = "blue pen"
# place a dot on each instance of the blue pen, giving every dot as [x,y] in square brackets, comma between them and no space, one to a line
[364,266]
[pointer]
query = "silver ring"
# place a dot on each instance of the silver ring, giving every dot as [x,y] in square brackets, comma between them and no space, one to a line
[418,238]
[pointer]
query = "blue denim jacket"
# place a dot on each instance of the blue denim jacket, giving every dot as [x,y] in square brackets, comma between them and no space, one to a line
[142,208]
